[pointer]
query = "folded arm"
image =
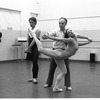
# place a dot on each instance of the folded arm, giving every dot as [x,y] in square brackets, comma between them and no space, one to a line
[33,42]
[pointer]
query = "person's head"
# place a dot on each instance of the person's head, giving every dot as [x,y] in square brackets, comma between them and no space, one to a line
[0,36]
[70,33]
[33,22]
[62,23]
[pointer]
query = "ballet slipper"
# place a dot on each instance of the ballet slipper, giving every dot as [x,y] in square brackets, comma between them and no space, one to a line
[56,89]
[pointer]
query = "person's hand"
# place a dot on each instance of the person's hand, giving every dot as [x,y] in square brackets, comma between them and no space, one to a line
[90,40]
[45,36]
[27,51]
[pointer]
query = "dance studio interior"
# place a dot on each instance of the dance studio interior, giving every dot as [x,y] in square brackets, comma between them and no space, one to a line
[83,18]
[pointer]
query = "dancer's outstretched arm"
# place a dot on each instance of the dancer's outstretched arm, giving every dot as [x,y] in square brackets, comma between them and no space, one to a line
[66,40]
[81,44]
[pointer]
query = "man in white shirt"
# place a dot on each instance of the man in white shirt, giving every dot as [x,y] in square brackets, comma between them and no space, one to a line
[57,44]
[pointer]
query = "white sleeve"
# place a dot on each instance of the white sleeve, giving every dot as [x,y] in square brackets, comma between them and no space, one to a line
[34,30]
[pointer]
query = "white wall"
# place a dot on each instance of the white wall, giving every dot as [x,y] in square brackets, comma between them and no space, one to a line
[83,17]
[25,6]
[53,9]
[24,9]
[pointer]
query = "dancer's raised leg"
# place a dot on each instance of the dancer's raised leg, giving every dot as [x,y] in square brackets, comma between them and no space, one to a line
[49,52]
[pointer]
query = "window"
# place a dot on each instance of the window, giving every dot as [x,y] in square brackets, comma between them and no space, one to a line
[10,19]
[33,15]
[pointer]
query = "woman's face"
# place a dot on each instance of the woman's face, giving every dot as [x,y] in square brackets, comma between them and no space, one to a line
[70,33]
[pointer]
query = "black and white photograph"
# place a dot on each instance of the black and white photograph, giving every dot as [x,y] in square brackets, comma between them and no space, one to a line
[49,49]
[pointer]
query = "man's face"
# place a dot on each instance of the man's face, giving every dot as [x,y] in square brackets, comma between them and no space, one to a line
[62,24]
[32,23]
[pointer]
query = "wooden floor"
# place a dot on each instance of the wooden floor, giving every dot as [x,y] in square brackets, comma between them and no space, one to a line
[85,79]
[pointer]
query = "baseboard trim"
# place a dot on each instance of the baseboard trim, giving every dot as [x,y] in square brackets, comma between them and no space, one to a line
[47,59]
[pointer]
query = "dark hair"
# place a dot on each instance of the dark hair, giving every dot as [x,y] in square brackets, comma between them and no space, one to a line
[64,19]
[0,34]
[66,34]
[33,19]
